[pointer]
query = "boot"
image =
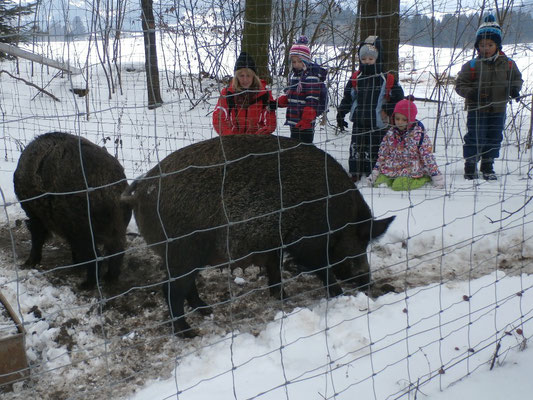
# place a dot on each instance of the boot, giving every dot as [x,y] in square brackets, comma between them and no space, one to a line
[471,170]
[487,169]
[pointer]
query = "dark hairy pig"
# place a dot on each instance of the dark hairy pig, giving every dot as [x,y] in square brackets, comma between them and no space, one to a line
[246,199]
[69,186]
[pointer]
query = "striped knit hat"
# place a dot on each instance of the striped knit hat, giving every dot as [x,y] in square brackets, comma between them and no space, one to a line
[301,49]
[489,30]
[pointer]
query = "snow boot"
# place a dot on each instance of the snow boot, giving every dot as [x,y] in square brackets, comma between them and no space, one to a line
[487,169]
[471,170]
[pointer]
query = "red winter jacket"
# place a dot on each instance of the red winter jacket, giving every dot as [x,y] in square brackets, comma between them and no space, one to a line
[232,117]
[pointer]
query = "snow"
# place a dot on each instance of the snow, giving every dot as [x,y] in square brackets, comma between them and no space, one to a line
[296,356]
[458,258]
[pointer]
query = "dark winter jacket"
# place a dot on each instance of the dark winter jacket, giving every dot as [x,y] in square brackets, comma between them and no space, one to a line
[244,113]
[368,99]
[303,91]
[365,102]
[487,84]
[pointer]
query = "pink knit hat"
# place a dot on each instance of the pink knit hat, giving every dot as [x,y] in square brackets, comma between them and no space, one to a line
[301,49]
[407,107]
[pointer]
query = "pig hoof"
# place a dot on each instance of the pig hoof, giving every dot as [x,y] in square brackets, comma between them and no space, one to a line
[86,285]
[335,290]
[111,278]
[205,310]
[185,331]
[29,263]
[278,293]
[380,290]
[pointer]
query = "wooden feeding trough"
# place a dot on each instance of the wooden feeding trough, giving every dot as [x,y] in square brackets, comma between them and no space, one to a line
[13,361]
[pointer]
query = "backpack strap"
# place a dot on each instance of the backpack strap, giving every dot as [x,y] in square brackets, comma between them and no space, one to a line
[422,133]
[354,79]
[421,140]
[473,69]
[389,83]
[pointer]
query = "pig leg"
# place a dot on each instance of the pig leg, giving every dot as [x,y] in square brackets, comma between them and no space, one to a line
[116,253]
[39,233]
[271,261]
[175,293]
[196,302]
[311,254]
[83,253]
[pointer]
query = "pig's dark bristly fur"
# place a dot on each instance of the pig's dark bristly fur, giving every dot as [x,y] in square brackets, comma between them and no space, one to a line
[245,199]
[51,186]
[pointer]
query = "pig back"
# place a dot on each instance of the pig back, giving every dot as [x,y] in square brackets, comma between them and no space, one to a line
[53,175]
[253,192]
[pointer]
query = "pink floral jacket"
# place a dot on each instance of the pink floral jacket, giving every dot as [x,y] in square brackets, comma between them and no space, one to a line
[408,153]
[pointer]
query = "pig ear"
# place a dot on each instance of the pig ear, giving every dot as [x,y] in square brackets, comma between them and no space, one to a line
[378,227]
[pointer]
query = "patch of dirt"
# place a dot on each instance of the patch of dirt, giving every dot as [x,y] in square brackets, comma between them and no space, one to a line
[119,336]
[130,319]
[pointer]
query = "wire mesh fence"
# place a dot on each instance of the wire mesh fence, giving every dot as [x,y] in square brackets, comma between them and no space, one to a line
[451,291]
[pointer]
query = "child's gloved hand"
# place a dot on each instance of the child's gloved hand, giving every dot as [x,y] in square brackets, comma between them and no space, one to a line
[515,94]
[304,124]
[282,101]
[384,117]
[308,115]
[341,123]
[263,131]
[372,177]
[438,181]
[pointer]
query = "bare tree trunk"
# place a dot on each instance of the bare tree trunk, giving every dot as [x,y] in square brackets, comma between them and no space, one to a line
[382,18]
[150,54]
[256,33]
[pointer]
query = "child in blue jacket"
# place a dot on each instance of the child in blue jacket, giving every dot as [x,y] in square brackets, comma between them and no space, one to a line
[369,97]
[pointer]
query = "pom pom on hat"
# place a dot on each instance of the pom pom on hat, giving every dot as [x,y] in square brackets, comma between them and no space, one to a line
[407,107]
[301,49]
[489,29]
[245,61]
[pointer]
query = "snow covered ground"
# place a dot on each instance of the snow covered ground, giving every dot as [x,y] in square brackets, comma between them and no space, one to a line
[460,260]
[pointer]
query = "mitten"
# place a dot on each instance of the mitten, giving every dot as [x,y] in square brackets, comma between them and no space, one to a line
[283,101]
[438,181]
[372,177]
[263,131]
[341,123]
[308,115]
[515,93]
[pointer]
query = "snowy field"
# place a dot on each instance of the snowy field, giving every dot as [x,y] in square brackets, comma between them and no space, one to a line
[459,259]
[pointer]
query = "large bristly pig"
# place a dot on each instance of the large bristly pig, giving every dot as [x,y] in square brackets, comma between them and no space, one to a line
[246,199]
[69,186]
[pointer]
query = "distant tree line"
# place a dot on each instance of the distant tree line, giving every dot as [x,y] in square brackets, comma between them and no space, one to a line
[59,31]
[460,30]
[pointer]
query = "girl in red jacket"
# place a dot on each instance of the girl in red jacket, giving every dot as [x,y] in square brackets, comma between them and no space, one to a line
[243,106]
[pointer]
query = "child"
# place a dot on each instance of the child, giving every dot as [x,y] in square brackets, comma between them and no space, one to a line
[303,93]
[486,82]
[369,97]
[243,106]
[405,158]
